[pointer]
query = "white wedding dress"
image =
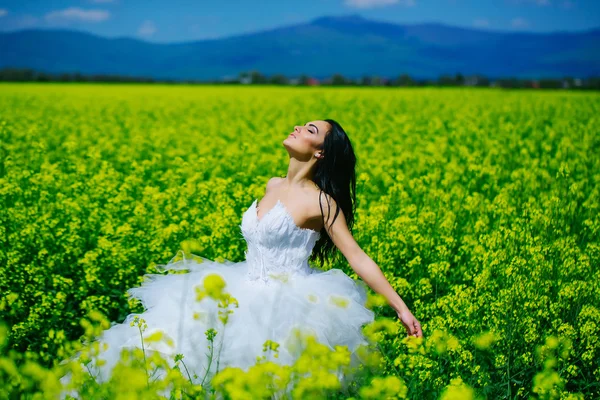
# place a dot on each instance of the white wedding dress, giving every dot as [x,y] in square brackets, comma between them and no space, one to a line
[276,290]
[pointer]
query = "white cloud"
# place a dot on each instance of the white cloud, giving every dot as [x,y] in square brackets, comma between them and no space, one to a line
[3,12]
[519,22]
[147,28]
[378,3]
[481,22]
[77,14]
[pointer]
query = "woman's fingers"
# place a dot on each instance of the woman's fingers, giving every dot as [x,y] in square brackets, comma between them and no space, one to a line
[411,324]
[417,329]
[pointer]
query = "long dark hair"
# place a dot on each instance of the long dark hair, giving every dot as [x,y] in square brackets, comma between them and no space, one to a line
[335,175]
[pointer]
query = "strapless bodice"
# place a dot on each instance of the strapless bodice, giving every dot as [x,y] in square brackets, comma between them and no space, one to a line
[277,247]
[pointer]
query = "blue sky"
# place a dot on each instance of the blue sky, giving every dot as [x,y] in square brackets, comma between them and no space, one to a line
[183,20]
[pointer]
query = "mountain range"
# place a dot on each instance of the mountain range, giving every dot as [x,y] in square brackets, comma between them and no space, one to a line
[349,45]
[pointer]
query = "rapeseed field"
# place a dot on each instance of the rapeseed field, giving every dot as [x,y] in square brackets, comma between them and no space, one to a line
[481,207]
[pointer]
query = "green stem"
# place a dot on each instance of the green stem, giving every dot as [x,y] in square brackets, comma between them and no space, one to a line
[221,347]
[145,361]
[187,372]
[90,372]
[387,358]
[212,346]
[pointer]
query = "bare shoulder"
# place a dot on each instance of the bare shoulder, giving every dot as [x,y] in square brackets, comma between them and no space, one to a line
[273,182]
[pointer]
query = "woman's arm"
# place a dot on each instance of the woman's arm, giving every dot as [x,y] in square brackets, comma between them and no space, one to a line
[367,269]
[370,272]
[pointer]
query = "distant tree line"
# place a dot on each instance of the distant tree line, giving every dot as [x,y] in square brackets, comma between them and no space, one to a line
[11,74]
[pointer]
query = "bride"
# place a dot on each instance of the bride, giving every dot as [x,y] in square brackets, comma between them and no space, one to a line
[305,214]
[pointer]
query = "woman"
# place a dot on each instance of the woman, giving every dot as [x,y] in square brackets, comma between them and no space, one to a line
[305,214]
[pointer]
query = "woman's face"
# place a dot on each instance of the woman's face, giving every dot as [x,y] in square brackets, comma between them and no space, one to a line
[307,140]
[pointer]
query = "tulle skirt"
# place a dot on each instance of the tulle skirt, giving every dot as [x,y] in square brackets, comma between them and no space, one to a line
[327,304]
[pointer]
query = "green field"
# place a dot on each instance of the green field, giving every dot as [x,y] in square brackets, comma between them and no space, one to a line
[481,206]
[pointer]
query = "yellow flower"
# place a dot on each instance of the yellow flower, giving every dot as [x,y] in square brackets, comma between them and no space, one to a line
[313,298]
[390,387]
[375,300]
[484,340]
[457,390]
[214,285]
[339,301]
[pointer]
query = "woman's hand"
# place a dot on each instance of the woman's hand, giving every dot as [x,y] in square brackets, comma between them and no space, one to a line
[413,327]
